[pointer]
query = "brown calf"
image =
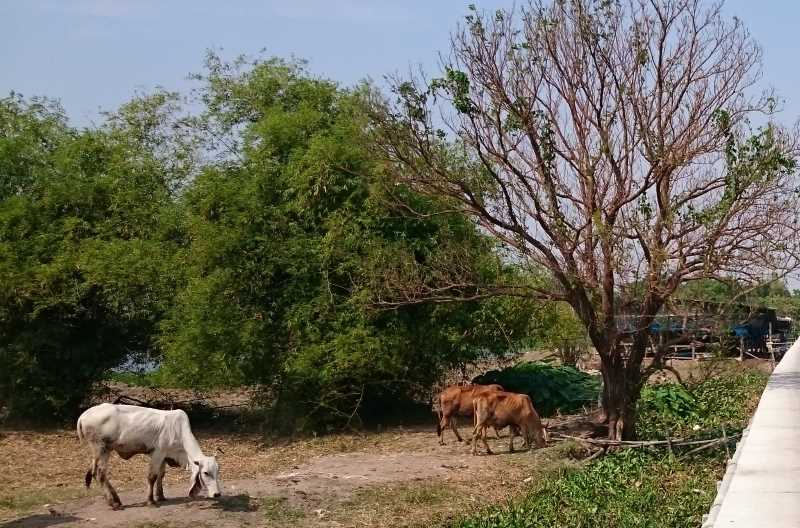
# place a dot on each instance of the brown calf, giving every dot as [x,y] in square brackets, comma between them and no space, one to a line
[456,400]
[500,409]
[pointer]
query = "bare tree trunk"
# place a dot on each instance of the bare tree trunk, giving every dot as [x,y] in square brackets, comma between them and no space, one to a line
[622,383]
[620,396]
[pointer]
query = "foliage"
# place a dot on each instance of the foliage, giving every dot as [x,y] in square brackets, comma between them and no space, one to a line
[552,388]
[88,232]
[246,243]
[709,405]
[731,296]
[560,329]
[289,232]
[286,240]
[666,404]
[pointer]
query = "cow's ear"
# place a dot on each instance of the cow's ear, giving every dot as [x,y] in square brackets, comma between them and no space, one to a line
[195,484]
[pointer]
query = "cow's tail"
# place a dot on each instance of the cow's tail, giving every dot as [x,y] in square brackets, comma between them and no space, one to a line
[438,414]
[87,479]
[89,474]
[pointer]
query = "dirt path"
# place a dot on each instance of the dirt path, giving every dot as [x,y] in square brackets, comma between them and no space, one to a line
[318,487]
[397,478]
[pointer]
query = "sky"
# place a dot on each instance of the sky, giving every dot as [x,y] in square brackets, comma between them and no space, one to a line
[95,54]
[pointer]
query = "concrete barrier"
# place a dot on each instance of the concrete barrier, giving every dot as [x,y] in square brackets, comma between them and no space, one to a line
[761,487]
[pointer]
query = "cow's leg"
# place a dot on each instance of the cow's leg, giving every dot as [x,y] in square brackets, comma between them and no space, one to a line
[496,432]
[92,472]
[160,483]
[102,477]
[443,423]
[479,432]
[454,428]
[475,433]
[156,465]
[484,434]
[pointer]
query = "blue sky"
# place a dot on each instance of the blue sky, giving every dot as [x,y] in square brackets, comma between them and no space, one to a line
[93,54]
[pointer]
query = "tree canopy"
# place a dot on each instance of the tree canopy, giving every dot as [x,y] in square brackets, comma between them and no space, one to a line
[243,243]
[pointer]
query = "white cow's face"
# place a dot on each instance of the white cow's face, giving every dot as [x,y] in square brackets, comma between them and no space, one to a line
[205,476]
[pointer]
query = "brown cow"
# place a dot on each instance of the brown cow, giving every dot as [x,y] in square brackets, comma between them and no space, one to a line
[500,409]
[456,400]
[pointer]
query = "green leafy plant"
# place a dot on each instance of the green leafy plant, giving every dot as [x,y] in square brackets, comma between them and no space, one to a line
[704,409]
[552,388]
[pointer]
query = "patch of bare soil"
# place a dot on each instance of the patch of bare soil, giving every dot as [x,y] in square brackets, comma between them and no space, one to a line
[401,477]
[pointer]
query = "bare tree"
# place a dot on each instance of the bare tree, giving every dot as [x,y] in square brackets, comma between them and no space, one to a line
[610,144]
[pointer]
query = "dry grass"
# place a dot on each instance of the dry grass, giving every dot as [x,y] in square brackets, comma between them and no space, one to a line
[43,467]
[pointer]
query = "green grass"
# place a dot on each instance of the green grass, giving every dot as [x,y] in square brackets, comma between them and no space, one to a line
[704,409]
[630,489]
[153,378]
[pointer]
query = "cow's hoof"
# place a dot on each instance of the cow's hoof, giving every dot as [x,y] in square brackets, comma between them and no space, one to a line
[152,503]
[161,499]
[116,506]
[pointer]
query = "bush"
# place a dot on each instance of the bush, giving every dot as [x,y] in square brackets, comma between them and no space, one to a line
[88,229]
[725,401]
[552,388]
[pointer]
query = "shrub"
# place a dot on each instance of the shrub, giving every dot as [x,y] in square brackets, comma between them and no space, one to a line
[724,401]
[666,407]
[552,388]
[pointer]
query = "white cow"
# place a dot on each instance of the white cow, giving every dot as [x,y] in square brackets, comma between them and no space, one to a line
[164,435]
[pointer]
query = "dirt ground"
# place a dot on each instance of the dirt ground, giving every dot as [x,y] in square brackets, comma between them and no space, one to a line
[400,477]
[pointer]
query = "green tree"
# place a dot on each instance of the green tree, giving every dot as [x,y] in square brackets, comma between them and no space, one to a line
[88,233]
[291,237]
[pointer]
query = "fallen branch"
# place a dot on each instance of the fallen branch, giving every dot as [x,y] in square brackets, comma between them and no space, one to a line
[678,442]
[172,404]
[593,455]
[718,441]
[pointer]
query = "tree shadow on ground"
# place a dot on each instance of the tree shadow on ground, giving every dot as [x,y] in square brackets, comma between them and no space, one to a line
[39,521]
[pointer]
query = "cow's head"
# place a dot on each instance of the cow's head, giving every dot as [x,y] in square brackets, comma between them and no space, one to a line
[205,476]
